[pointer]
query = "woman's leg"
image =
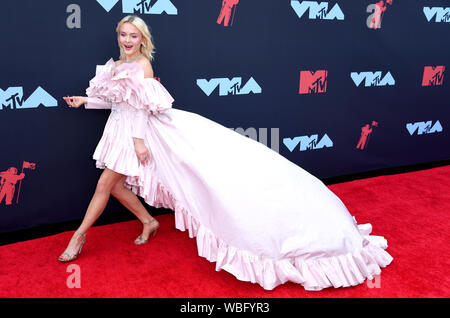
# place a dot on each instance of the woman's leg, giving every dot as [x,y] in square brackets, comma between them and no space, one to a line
[132,203]
[98,203]
[101,196]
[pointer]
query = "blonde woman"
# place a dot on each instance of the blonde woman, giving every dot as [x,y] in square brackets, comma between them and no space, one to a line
[136,45]
[253,212]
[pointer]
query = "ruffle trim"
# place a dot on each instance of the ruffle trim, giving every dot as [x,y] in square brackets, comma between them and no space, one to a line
[120,159]
[313,274]
[126,83]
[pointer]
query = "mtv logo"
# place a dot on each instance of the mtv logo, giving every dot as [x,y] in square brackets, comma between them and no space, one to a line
[317,10]
[433,75]
[424,127]
[229,87]
[307,143]
[313,82]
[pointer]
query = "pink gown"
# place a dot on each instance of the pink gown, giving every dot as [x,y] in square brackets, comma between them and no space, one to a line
[253,212]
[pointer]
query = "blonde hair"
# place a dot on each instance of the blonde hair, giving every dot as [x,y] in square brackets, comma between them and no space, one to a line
[148,47]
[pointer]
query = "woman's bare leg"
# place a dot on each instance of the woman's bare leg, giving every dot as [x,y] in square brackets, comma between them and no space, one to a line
[101,196]
[98,203]
[132,203]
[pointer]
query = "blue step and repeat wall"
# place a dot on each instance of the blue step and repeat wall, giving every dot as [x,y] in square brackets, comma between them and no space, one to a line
[337,87]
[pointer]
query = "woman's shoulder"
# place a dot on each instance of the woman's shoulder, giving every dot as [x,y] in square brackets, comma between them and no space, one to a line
[147,67]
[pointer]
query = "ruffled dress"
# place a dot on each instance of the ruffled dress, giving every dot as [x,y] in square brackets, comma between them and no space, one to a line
[254,213]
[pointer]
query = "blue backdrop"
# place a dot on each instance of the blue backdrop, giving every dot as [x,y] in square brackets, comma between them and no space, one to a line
[337,87]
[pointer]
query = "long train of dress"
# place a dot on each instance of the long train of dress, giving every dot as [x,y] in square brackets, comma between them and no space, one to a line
[253,212]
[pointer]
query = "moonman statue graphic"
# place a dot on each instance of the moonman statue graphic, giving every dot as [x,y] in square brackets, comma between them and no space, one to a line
[8,182]
[365,133]
[225,13]
[376,19]
[377,16]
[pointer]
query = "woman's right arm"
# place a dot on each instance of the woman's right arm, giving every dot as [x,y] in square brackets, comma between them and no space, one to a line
[89,102]
[96,103]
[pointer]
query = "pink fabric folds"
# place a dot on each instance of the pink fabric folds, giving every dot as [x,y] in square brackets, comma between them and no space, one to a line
[349,269]
[126,83]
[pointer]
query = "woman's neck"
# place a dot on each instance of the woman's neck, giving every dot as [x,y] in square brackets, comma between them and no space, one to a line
[129,58]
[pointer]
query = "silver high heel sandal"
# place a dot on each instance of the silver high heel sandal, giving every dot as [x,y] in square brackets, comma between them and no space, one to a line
[139,240]
[74,256]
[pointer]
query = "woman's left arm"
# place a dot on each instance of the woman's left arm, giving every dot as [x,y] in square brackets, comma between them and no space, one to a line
[139,123]
[138,134]
[140,118]
[142,151]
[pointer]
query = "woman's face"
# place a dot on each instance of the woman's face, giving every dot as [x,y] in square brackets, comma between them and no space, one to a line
[130,39]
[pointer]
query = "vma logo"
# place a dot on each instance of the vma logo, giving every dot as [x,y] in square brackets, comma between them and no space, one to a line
[308,143]
[433,75]
[229,87]
[377,10]
[317,10]
[438,13]
[424,127]
[12,98]
[313,82]
[141,6]
[372,78]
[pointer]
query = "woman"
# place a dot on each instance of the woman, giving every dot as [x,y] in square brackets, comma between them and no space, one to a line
[252,211]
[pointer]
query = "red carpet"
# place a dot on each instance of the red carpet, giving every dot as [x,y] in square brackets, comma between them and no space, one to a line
[410,210]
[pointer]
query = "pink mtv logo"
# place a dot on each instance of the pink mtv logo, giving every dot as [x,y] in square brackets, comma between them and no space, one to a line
[313,82]
[433,75]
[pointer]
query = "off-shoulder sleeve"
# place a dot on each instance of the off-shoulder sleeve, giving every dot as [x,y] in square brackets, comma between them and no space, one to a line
[147,94]
[97,92]
[153,98]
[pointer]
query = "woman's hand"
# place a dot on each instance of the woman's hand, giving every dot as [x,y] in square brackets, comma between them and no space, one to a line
[141,151]
[75,101]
